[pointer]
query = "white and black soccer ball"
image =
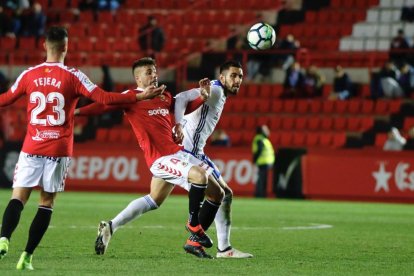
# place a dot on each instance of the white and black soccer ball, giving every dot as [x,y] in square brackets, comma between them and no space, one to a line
[261,36]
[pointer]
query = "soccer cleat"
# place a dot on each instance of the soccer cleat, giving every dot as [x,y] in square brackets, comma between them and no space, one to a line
[199,235]
[25,262]
[104,236]
[230,252]
[195,248]
[4,247]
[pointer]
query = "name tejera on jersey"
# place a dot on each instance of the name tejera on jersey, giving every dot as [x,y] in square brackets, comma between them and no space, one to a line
[47,81]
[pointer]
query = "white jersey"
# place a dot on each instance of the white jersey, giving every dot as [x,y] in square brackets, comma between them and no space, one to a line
[200,124]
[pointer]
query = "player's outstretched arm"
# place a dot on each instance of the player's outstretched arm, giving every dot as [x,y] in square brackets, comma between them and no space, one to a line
[188,101]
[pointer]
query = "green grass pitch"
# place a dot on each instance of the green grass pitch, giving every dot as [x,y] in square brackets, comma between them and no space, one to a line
[286,237]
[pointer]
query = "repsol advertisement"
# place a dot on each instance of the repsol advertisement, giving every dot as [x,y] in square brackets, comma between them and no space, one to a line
[124,170]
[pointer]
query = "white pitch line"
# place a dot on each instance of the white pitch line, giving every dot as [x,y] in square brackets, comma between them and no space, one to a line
[311,226]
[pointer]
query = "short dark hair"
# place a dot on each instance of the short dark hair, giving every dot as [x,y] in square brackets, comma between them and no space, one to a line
[230,63]
[56,34]
[143,62]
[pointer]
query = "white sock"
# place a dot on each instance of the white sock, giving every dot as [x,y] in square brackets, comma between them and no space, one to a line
[223,223]
[134,209]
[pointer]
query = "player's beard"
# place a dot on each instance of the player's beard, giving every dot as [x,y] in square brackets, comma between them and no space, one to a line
[232,90]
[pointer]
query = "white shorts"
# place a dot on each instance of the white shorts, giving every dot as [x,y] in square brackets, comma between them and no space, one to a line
[174,168]
[44,171]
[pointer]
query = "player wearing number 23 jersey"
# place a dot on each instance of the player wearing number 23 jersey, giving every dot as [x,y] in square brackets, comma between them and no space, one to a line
[52,91]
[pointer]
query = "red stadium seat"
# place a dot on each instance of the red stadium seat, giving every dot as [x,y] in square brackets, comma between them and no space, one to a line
[340,123]
[339,139]
[326,139]
[312,139]
[288,123]
[302,106]
[326,123]
[314,123]
[299,138]
[301,123]
[408,123]
[380,139]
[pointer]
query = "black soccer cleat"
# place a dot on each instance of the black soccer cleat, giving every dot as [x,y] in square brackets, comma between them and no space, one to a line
[196,249]
[199,235]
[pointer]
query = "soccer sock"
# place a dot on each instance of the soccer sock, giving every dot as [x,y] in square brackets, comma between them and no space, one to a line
[11,218]
[134,209]
[38,228]
[223,223]
[207,213]
[195,196]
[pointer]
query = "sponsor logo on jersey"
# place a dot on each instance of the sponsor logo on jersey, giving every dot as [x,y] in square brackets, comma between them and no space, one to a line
[159,111]
[42,135]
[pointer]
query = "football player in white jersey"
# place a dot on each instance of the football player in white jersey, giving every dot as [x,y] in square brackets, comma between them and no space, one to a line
[197,128]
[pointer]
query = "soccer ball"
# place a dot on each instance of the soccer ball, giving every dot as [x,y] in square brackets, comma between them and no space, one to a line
[261,36]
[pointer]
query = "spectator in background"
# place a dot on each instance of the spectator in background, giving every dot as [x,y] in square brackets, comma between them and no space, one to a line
[406,79]
[342,85]
[34,22]
[294,81]
[220,138]
[263,157]
[289,45]
[399,46]
[313,83]
[110,5]
[114,117]
[4,82]
[386,82]
[410,140]
[17,4]
[5,24]
[88,5]
[395,141]
[151,37]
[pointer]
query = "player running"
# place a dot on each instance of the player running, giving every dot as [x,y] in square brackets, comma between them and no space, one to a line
[152,124]
[52,91]
[197,127]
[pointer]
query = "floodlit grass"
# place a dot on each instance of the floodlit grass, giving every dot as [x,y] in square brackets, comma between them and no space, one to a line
[285,237]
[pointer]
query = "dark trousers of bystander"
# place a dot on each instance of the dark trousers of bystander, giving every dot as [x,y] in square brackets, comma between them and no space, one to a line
[261,184]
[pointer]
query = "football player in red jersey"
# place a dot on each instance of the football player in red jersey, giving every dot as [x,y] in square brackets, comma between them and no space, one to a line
[52,91]
[152,123]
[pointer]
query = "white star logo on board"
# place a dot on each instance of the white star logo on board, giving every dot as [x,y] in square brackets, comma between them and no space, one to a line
[382,177]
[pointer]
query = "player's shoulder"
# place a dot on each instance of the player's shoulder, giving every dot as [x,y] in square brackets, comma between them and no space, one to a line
[216,87]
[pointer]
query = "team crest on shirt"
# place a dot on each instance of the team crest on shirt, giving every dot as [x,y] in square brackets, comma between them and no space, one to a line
[48,70]
[162,97]
[42,135]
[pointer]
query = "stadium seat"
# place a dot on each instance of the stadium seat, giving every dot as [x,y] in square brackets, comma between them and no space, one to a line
[299,138]
[312,139]
[326,139]
[380,139]
[340,123]
[288,123]
[326,123]
[301,123]
[314,123]
[408,123]
[339,139]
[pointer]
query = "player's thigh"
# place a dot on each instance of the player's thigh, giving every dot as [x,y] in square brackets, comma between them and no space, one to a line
[55,173]
[28,171]
[22,194]
[160,190]
[175,168]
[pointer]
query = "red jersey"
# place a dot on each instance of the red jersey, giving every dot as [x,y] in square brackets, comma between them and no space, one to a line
[151,122]
[52,91]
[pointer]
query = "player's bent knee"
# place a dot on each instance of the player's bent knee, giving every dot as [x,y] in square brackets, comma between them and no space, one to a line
[197,175]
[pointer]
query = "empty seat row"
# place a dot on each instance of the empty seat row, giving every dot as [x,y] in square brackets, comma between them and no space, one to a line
[314,123]
[354,106]
[292,138]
